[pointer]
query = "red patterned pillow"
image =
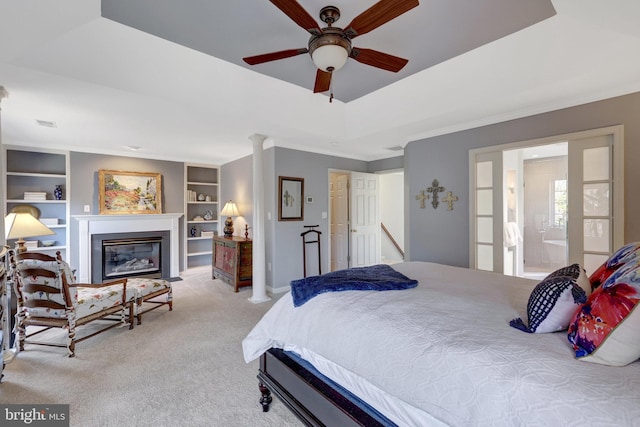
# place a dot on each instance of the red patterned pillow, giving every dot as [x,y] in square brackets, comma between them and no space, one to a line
[618,259]
[606,329]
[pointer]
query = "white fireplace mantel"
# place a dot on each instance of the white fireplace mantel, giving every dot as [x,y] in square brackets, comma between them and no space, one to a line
[102,224]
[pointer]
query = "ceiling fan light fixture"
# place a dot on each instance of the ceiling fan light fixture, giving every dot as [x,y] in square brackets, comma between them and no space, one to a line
[330,57]
[329,51]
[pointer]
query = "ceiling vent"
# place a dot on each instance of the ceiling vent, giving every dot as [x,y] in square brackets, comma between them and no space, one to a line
[396,148]
[46,123]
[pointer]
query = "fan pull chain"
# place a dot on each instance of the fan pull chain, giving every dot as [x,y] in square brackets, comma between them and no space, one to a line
[331,89]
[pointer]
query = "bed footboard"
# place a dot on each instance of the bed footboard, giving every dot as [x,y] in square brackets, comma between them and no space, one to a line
[309,395]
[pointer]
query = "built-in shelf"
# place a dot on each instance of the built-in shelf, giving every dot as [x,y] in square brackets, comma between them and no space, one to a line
[215,221]
[46,248]
[39,170]
[194,254]
[200,180]
[32,202]
[37,175]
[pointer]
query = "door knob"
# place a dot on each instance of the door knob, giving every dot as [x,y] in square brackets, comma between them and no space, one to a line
[353,230]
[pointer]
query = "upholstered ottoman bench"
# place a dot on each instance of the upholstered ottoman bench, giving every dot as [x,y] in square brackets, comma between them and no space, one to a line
[147,291]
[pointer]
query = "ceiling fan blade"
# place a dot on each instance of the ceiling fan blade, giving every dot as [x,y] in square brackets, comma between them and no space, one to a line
[378,59]
[323,81]
[273,56]
[377,15]
[293,10]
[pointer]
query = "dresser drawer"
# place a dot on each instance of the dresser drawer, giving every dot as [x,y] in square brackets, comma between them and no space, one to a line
[225,258]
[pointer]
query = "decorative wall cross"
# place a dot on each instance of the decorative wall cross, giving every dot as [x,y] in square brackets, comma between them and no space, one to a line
[434,190]
[422,197]
[449,199]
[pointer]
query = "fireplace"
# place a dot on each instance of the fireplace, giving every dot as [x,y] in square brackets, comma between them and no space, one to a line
[131,257]
[116,227]
[117,255]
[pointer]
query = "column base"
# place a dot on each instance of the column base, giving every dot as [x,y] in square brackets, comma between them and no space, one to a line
[258,300]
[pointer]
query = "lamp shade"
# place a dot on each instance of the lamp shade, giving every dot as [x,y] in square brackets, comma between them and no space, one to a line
[330,57]
[19,225]
[230,209]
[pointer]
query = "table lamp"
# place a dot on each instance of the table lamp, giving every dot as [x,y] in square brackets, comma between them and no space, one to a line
[230,209]
[21,225]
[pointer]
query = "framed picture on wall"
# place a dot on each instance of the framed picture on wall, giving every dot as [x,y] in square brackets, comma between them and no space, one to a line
[129,192]
[290,197]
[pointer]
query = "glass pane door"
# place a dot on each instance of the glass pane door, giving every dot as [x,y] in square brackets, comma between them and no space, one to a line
[487,219]
[591,219]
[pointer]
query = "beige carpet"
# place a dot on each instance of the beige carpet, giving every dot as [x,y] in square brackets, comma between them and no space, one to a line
[179,368]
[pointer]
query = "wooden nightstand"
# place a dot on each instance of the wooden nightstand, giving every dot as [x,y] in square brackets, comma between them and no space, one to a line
[232,261]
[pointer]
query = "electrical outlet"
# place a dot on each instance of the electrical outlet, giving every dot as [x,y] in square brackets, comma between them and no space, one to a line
[87,208]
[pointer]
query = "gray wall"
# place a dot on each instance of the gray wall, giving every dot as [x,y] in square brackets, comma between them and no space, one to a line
[443,236]
[386,164]
[286,254]
[283,241]
[236,180]
[84,187]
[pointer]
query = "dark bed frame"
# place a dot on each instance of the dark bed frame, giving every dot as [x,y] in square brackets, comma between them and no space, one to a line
[313,398]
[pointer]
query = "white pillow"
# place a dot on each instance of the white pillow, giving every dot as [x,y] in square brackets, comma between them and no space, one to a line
[554,301]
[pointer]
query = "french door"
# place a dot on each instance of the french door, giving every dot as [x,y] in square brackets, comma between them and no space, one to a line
[595,225]
[488,217]
[594,214]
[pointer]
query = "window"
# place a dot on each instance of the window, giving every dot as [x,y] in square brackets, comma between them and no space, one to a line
[559,202]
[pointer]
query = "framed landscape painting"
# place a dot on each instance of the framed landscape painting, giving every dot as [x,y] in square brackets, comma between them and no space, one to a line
[129,192]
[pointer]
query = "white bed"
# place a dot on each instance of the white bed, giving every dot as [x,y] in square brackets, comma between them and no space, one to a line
[443,353]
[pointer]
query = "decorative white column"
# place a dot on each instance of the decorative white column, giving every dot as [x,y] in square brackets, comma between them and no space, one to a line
[3,94]
[259,258]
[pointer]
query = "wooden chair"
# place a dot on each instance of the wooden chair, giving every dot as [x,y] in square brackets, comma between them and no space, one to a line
[48,297]
[6,352]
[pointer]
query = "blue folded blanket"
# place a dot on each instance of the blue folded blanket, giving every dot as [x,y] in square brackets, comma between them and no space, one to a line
[374,278]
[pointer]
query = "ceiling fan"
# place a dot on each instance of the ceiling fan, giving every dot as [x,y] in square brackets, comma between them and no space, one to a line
[330,47]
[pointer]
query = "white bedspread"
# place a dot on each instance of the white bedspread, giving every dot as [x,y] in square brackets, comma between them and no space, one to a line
[446,348]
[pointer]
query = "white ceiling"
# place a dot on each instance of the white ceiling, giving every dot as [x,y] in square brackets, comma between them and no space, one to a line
[107,85]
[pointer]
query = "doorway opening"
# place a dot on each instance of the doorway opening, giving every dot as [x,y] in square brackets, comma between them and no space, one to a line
[537,205]
[356,209]
[392,216]
[574,213]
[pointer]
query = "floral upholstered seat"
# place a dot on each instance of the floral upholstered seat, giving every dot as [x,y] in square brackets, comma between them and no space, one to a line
[90,300]
[146,291]
[48,297]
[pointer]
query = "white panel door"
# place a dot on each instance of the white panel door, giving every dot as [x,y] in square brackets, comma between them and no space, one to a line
[339,193]
[365,219]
